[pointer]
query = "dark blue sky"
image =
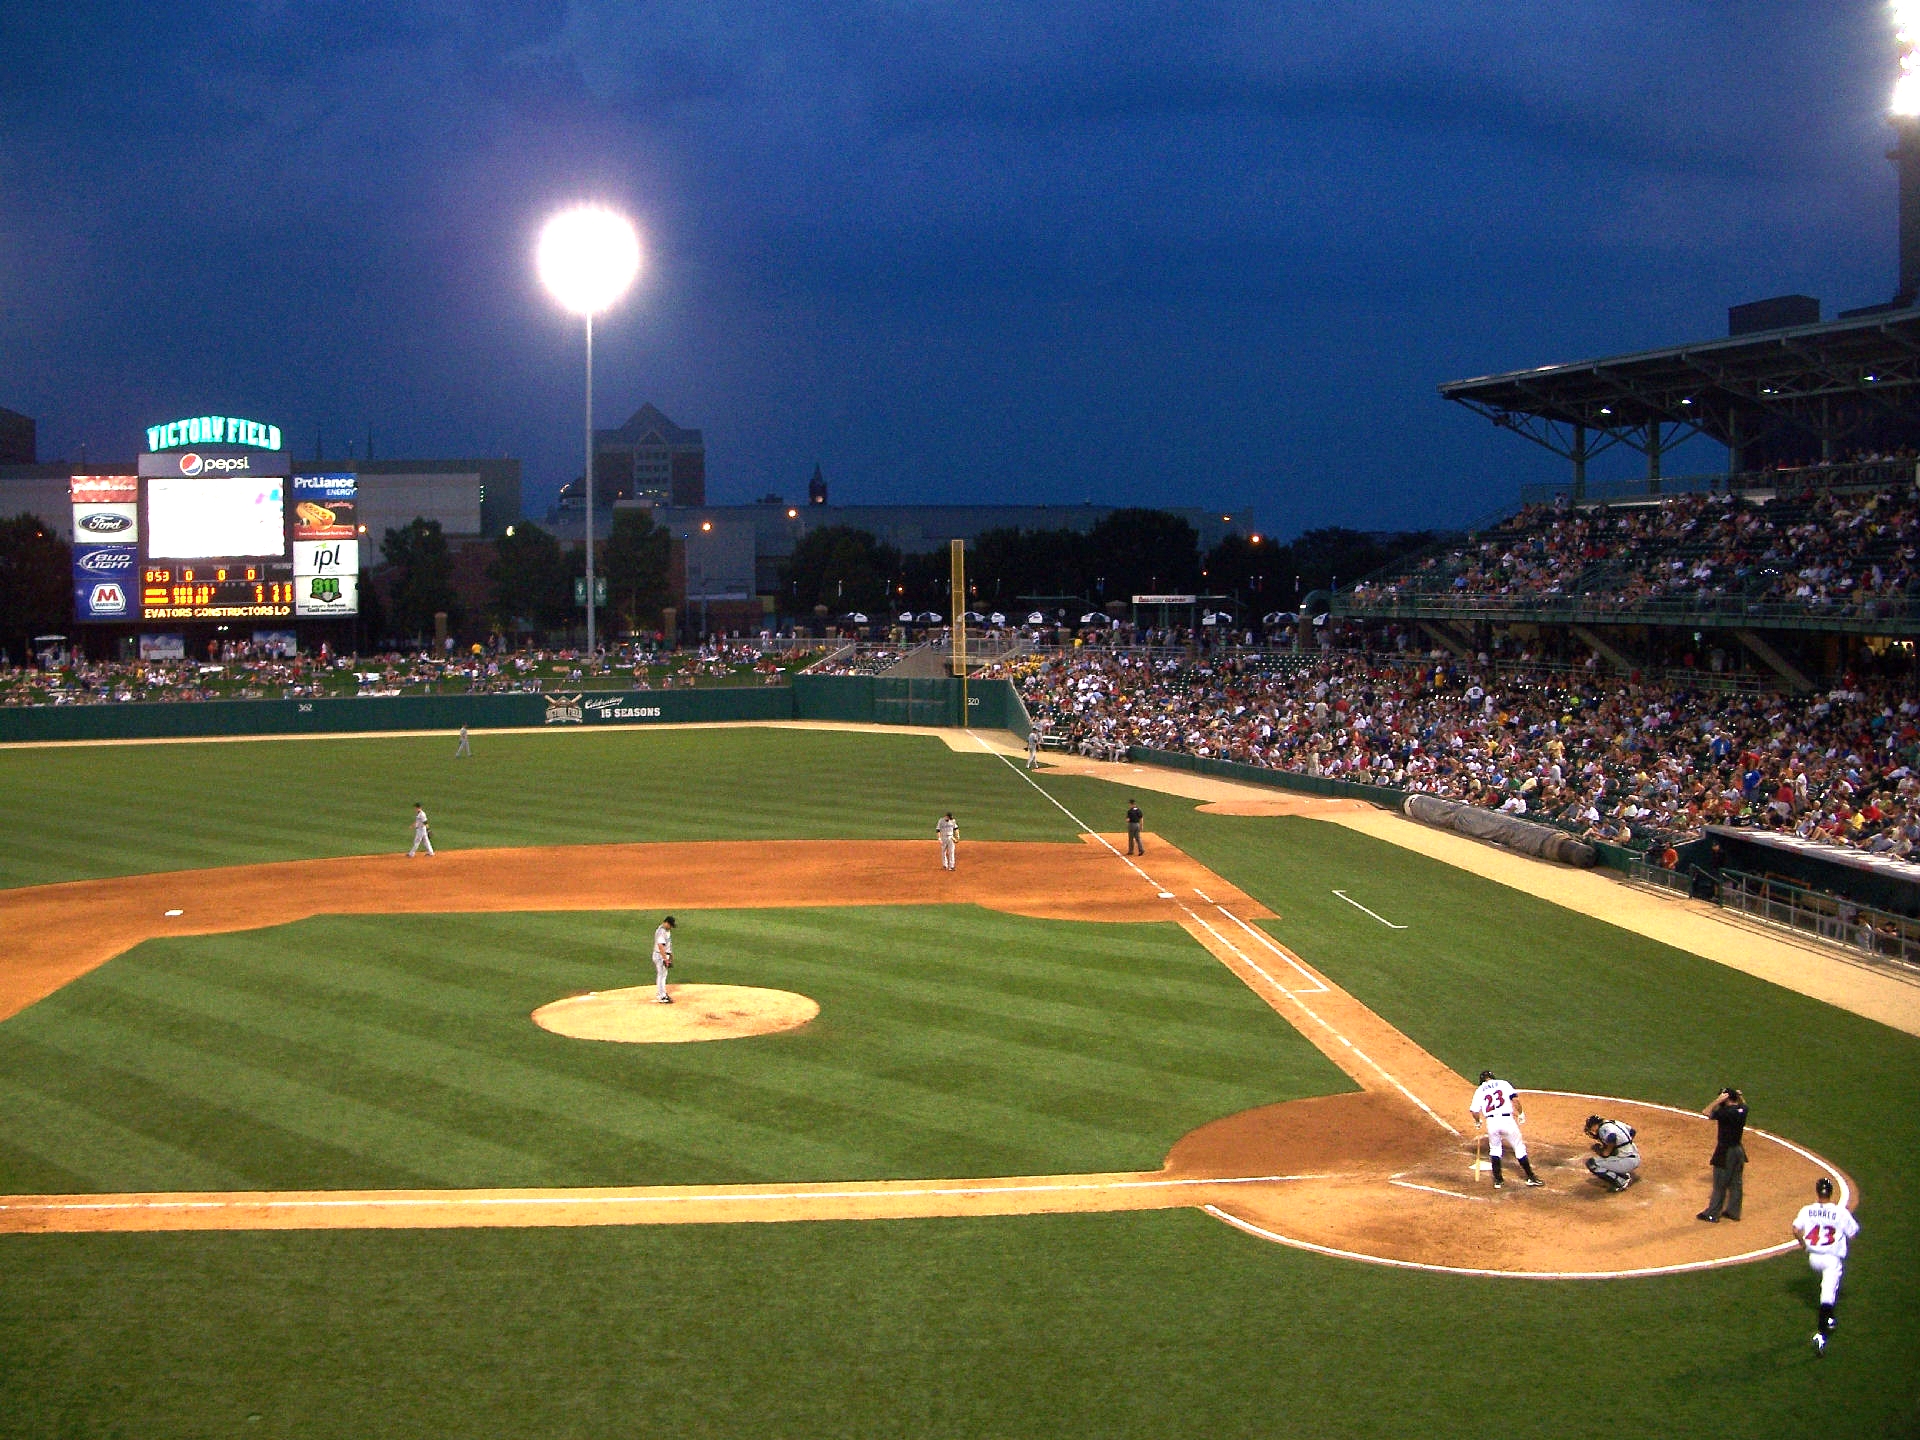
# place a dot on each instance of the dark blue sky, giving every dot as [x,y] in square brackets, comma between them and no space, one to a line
[1206,253]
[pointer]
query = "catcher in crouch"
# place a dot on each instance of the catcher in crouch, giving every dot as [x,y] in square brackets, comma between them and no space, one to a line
[1615,1157]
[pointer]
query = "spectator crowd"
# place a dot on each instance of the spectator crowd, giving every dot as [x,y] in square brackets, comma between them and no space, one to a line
[1610,759]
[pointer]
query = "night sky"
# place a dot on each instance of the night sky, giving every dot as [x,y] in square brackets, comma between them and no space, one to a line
[1173,253]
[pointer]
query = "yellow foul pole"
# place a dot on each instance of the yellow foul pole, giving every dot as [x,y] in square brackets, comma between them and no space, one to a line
[958,549]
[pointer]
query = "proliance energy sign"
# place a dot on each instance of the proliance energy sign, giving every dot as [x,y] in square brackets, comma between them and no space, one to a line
[213,430]
[326,545]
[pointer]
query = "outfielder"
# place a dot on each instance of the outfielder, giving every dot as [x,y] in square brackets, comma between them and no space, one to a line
[463,748]
[948,829]
[1615,1157]
[1033,747]
[420,835]
[1824,1229]
[662,961]
[1496,1105]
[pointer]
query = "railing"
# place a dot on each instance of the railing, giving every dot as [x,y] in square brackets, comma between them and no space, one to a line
[1895,615]
[1861,475]
[1658,877]
[1880,934]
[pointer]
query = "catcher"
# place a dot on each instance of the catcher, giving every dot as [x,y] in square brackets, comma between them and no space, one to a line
[1615,1157]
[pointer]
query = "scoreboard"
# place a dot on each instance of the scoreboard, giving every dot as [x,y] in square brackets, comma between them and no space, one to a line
[215,535]
[213,592]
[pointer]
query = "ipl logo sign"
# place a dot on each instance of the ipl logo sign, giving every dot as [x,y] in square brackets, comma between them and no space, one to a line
[565,710]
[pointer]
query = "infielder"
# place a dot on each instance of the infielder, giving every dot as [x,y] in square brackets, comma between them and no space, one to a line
[463,748]
[1824,1229]
[1615,1157]
[662,961]
[948,829]
[1496,1105]
[420,835]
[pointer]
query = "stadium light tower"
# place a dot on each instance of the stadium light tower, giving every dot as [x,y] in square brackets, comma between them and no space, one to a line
[587,258]
[1904,113]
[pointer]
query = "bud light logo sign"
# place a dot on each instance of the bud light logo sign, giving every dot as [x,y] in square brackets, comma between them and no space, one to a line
[190,464]
[104,561]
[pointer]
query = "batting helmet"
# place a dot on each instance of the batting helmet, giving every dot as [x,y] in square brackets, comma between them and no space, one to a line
[1486,1075]
[1823,1187]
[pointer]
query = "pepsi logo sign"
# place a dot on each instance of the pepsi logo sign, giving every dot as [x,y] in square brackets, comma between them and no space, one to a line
[104,562]
[107,599]
[190,464]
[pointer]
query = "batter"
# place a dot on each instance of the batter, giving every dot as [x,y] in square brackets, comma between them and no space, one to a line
[1496,1105]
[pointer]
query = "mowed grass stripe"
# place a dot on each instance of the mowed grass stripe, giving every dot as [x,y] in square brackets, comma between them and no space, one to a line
[96,1150]
[166,807]
[425,1059]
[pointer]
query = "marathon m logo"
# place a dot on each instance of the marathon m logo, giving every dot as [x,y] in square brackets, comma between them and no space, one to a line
[213,430]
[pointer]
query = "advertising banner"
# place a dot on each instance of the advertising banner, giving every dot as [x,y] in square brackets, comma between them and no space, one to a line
[326,557]
[95,599]
[105,562]
[216,462]
[316,596]
[94,523]
[324,507]
[104,489]
[163,647]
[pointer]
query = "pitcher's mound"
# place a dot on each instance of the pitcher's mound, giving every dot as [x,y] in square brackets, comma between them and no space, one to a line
[698,1012]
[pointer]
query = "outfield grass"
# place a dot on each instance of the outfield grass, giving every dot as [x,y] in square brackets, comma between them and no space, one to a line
[384,1032]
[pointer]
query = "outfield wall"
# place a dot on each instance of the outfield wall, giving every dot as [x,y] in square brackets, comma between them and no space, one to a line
[857,699]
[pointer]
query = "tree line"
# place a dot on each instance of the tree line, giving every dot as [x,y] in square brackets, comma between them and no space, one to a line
[1131,552]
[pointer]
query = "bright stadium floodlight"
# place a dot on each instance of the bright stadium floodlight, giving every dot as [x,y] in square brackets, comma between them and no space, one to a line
[1906,32]
[587,258]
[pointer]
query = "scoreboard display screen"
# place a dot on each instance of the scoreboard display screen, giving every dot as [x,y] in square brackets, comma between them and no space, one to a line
[215,590]
[214,535]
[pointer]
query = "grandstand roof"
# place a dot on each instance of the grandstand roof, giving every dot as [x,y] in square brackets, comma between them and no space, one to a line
[1840,385]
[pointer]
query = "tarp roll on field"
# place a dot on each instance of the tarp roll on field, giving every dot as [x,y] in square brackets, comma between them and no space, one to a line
[1541,841]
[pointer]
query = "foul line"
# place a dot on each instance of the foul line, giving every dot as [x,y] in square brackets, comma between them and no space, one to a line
[1358,906]
[1427,1109]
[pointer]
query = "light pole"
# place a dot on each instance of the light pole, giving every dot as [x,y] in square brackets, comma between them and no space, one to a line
[587,257]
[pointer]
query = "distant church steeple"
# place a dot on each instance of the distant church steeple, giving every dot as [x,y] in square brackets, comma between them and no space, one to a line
[817,488]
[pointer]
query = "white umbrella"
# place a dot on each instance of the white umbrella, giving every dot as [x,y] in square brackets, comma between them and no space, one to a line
[857,618]
[928,617]
[906,617]
[996,618]
[974,616]
[1277,617]
[1036,618]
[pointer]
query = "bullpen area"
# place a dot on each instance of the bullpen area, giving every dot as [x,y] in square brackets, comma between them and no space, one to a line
[301,1136]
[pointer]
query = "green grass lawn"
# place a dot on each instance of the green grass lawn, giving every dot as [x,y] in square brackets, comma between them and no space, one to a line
[78,812]
[396,1051]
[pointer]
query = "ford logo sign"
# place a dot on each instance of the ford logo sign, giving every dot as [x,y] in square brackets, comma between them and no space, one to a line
[190,464]
[104,522]
[105,562]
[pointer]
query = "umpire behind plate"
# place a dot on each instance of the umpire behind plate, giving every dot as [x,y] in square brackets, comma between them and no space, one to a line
[1615,1157]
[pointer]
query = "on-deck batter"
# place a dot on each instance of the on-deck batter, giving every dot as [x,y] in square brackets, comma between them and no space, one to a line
[1496,1105]
[1824,1229]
